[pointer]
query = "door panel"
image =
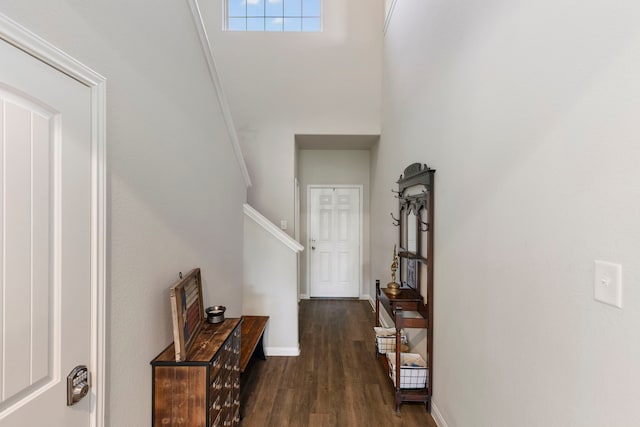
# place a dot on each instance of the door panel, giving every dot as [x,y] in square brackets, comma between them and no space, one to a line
[45,236]
[334,258]
[25,232]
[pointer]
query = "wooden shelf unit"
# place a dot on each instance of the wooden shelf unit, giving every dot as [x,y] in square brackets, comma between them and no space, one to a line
[416,216]
[204,389]
[409,300]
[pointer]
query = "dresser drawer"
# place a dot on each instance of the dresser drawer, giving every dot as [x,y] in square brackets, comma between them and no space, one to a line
[405,305]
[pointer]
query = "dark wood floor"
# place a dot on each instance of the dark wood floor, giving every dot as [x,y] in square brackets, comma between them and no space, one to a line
[336,380]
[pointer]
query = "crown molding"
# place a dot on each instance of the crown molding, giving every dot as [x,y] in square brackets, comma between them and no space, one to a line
[389,15]
[215,78]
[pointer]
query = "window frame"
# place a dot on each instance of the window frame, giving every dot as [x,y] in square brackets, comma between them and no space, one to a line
[265,18]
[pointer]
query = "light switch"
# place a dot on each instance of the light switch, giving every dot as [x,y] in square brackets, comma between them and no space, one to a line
[283,224]
[607,284]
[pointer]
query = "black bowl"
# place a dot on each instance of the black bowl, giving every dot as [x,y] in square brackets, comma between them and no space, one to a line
[215,314]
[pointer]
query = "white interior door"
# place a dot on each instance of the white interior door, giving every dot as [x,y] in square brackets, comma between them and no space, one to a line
[334,242]
[46,243]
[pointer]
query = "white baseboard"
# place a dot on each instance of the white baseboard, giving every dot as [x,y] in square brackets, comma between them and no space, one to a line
[385,320]
[371,301]
[282,351]
[362,297]
[437,416]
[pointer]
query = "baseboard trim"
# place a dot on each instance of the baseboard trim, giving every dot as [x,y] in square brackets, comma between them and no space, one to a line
[361,297]
[437,416]
[384,319]
[386,323]
[282,351]
[371,301]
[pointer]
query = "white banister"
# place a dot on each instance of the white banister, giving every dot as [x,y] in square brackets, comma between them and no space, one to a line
[261,220]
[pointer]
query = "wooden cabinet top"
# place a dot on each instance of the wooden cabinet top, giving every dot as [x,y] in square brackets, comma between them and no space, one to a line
[416,314]
[406,294]
[207,343]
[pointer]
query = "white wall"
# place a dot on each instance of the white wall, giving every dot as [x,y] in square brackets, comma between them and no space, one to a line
[528,111]
[270,287]
[282,84]
[169,160]
[334,167]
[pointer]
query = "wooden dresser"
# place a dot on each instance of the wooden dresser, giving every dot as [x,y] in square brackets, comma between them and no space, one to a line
[204,389]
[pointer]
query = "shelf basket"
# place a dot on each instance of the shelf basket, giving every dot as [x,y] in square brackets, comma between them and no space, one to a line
[413,370]
[386,339]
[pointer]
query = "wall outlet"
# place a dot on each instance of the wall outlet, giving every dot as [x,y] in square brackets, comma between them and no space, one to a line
[607,283]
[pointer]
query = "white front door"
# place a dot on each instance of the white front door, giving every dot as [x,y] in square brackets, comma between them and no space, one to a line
[334,242]
[46,240]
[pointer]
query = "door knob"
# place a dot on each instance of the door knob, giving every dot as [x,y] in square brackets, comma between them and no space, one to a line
[78,384]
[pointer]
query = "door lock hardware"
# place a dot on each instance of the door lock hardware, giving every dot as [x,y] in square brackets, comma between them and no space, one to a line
[78,384]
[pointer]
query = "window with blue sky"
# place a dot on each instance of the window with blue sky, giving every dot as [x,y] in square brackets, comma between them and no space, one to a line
[273,15]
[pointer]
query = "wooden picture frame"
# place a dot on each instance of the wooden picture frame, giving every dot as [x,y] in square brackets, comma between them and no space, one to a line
[187,312]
